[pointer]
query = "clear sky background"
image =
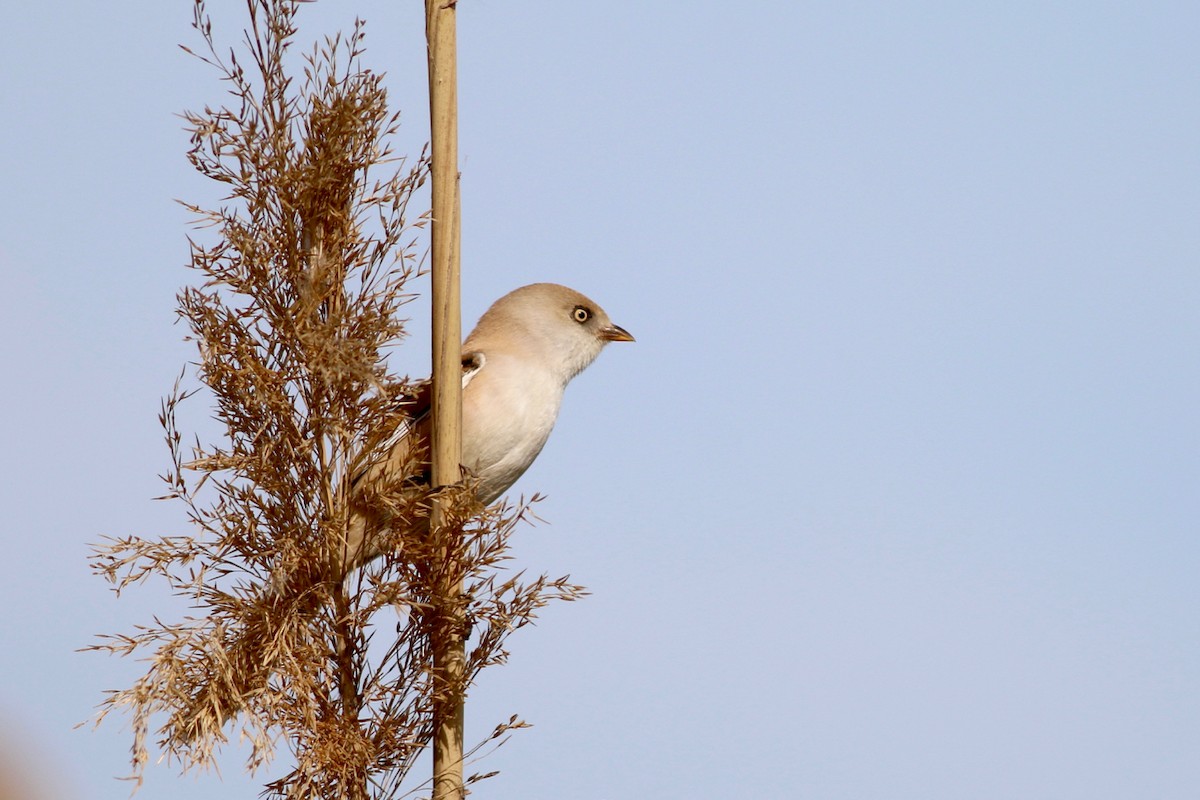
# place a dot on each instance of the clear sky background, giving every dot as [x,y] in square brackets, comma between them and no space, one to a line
[897,496]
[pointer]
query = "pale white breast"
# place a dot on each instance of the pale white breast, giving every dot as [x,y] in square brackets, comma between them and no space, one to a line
[509,409]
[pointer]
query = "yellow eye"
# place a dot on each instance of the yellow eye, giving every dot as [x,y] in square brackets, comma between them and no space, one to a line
[581,314]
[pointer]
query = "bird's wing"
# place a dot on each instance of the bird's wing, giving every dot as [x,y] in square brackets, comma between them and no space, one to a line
[472,362]
[412,433]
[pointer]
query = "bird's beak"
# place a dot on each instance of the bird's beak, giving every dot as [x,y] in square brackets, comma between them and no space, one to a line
[615,333]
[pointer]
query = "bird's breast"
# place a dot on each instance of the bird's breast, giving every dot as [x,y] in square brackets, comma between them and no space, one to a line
[508,413]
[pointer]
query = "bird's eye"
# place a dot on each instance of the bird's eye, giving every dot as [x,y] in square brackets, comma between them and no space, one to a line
[581,314]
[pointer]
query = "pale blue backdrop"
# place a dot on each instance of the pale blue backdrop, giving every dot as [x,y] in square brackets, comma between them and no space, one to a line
[898,494]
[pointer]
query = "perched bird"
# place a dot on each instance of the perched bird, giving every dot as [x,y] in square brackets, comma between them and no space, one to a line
[517,362]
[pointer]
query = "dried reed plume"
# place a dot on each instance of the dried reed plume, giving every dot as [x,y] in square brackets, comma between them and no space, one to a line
[294,303]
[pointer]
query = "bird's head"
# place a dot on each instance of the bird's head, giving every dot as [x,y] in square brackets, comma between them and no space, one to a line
[559,326]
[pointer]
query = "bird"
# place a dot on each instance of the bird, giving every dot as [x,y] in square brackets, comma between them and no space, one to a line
[517,363]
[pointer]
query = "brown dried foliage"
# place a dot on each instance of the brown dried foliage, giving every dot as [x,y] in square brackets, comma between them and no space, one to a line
[296,300]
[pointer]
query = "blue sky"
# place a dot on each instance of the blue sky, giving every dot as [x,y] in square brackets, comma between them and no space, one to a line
[898,493]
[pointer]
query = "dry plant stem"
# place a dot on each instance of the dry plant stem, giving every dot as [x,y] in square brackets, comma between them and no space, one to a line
[448,643]
[325,259]
[299,281]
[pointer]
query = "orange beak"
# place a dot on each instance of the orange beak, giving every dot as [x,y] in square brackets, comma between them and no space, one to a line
[615,333]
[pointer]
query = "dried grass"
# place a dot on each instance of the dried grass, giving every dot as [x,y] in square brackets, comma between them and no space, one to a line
[293,304]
